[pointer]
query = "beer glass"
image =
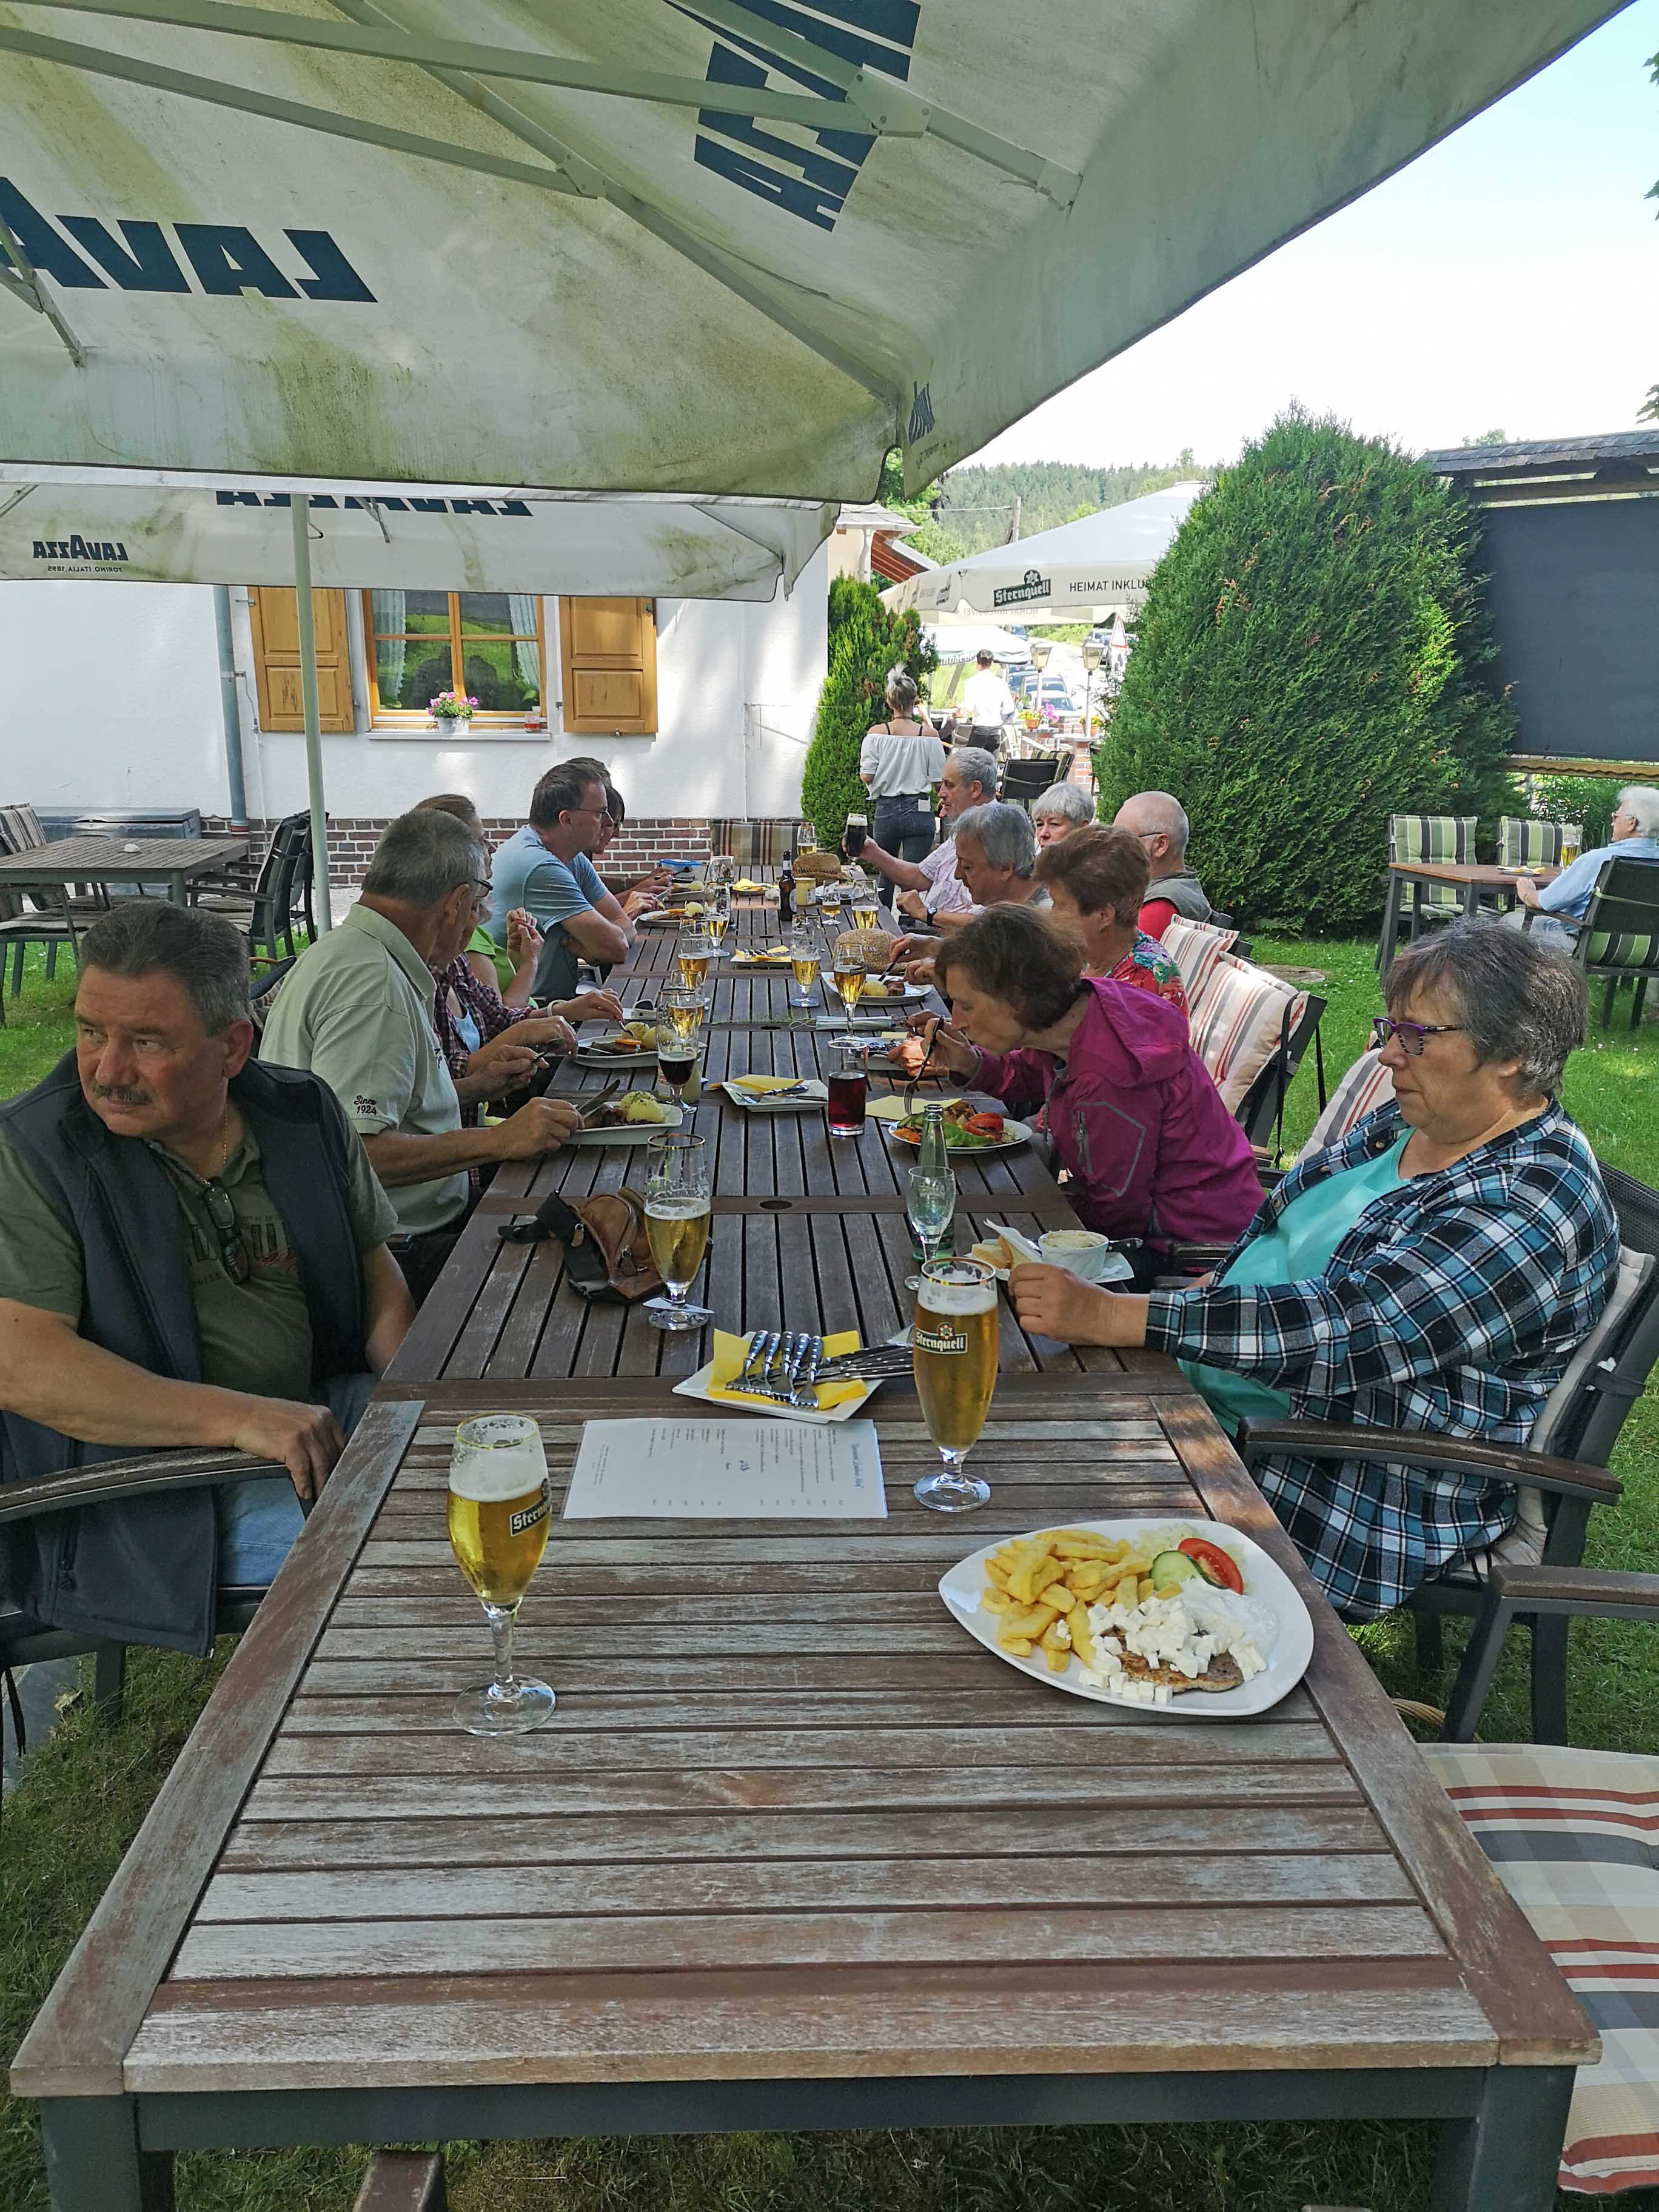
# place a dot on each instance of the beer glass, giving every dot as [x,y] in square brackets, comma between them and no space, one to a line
[722,869]
[693,951]
[955,1357]
[1572,839]
[717,919]
[499,1504]
[848,1087]
[804,965]
[930,1203]
[848,969]
[858,828]
[679,1019]
[677,1216]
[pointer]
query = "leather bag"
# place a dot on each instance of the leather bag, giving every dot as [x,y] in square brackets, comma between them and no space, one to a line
[607,1253]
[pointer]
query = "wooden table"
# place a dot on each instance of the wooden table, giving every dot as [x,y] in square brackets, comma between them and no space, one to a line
[795,1851]
[1475,882]
[175,861]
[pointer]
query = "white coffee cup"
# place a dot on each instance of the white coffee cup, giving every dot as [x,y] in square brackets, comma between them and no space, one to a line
[1081,1252]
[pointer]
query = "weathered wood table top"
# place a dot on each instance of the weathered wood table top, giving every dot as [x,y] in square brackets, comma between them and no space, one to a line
[795,1850]
[108,859]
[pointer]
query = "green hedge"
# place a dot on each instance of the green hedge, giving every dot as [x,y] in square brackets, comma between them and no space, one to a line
[1309,662]
[866,640]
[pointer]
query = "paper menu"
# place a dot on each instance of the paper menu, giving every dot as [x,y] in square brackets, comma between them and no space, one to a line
[726,1470]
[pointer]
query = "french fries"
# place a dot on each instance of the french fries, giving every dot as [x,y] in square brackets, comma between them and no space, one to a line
[1042,1587]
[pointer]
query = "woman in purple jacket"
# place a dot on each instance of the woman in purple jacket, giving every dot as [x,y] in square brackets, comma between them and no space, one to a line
[1132,1111]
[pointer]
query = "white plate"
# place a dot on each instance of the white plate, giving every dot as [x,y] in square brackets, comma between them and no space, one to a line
[910,991]
[595,1055]
[1014,1132]
[635,1132]
[1264,1580]
[806,1101]
[697,1386]
[656,917]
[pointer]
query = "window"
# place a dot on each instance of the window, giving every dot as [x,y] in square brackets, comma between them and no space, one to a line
[488,644]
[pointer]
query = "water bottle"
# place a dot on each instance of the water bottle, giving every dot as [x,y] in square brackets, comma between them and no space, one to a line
[932,1156]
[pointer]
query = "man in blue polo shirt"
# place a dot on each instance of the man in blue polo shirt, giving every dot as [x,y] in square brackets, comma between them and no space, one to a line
[1634,835]
[544,868]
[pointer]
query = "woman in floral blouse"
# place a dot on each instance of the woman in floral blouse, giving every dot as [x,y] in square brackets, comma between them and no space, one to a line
[1098,879]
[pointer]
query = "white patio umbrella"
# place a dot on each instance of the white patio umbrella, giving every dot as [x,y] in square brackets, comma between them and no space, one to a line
[964,640]
[1081,572]
[123,527]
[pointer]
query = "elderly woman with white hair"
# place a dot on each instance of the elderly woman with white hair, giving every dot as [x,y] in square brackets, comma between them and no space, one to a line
[1633,834]
[1434,1270]
[1058,811]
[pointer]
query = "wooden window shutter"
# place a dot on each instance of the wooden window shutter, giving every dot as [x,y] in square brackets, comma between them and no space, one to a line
[608,661]
[276,620]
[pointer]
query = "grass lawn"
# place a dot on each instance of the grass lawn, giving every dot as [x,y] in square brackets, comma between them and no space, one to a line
[87,1790]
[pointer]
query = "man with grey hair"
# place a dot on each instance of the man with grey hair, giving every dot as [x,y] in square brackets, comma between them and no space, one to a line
[1159,820]
[996,860]
[1633,834]
[193,1251]
[931,886]
[358,1010]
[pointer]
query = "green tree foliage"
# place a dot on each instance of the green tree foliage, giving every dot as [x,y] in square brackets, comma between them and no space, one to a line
[977,504]
[1307,663]
[1589,801]
[867,640]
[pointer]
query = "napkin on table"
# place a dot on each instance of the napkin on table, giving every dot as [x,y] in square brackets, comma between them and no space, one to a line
[730,1352]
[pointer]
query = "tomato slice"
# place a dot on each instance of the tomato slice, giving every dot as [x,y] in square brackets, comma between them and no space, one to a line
[1216,1565]
[984,1125]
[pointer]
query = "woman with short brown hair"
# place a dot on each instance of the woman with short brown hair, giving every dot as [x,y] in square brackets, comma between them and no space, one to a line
[1097,881]
[1132,1114]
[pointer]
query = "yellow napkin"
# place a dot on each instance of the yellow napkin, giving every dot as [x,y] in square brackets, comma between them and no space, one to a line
[747,887]
[760,1084]
[730,1352]
[775,953]
[892,1109]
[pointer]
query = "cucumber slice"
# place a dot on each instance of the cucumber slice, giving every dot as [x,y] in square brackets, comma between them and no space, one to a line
[1170,1569]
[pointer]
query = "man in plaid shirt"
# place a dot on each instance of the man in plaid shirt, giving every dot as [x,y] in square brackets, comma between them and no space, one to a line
[1434,1270]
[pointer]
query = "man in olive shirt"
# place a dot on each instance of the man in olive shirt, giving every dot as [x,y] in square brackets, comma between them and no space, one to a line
[357,1008]
[193,1250]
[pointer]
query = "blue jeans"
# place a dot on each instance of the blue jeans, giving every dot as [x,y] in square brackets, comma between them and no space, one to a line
[904,827]
[259,1519]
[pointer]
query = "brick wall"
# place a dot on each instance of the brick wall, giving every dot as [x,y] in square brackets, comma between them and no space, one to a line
[352,838]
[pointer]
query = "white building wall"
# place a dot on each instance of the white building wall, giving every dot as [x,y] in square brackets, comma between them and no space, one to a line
[122,709]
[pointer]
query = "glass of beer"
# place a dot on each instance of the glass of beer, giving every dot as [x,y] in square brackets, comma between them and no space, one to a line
[718,918]
[804,965]
[848,969]
[955,1346]
[677,1217]
[693,951]
[847,1080]
[1572,840]
[858,828]
[499,1504]
[679,1019]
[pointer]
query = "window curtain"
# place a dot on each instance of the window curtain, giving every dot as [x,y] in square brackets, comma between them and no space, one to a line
[522,607]
[389,614]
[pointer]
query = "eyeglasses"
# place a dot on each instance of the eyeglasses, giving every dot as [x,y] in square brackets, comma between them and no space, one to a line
[233,1254]
[1411,1035]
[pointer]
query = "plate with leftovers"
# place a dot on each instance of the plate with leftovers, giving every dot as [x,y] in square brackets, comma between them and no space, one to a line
[633,1045]
[776,1094]
[633,1119]
[1186,1617]
[967,1129]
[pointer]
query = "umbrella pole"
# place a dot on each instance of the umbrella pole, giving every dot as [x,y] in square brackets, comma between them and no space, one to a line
[306,616]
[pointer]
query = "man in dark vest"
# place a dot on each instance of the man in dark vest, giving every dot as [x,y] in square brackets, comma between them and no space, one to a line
[192,1251]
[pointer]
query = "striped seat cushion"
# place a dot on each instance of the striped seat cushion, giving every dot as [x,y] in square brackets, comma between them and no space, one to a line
[1431,838]
[1629,949]
[1236,1021]
[1195,947]
[1574,1836]
[1367,1086]
[1522,843]
[754,844]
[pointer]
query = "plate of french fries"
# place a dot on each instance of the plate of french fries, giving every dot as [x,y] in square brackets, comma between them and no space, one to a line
[1223,1633]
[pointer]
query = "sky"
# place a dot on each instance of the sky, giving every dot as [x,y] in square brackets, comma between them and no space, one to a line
[1507,279]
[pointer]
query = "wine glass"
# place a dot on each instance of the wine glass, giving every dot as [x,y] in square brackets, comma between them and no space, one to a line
[680,1018]
[930,1201]
[693,951]
[716,918]
[954,1345]
[849,970]
[499,1509]
[676,1219]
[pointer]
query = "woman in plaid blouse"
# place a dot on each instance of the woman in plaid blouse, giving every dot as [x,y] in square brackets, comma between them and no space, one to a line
[1435,1270]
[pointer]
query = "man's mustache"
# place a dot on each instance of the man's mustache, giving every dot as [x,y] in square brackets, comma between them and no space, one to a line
[121,1096]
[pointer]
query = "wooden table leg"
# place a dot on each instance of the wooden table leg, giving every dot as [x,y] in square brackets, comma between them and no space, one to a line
[93,2163]
[1504,2159]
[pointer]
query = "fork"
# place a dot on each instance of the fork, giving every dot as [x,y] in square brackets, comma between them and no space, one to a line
[778,1386]
[801,1390]
[762,1346]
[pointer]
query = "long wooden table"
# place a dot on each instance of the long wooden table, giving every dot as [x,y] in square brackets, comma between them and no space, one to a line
[175,861]
[794,1851]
